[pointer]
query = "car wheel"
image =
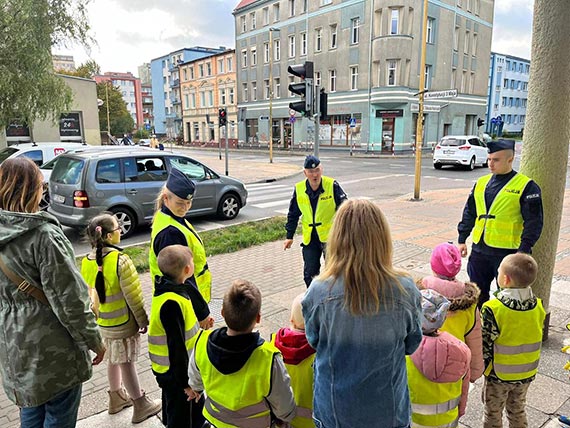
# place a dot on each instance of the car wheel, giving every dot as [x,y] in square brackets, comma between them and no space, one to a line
[471,166]
[437,165]
[127,220]
[229,206]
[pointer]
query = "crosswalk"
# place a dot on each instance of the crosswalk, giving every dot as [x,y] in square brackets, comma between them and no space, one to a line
[270,195]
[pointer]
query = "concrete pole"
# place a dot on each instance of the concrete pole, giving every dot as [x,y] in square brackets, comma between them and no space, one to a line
[547,130]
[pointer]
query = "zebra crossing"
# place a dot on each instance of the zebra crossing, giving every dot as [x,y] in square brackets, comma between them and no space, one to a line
[270,195]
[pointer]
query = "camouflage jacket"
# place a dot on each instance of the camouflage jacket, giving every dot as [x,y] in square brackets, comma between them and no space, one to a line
[43,350]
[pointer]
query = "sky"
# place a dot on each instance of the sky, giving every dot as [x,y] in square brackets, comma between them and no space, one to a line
[130,33]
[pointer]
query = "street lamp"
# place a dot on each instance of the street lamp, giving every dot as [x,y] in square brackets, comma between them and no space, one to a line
[271,30]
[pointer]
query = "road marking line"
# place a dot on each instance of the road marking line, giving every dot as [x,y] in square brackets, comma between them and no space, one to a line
[272,204]
[268,198]
[371,178]
[264,185]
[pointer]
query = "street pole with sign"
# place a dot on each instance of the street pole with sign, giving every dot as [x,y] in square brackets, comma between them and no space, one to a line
[271,30]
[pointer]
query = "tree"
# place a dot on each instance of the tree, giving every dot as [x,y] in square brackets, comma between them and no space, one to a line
[29,87]
[121,121]
[86,70]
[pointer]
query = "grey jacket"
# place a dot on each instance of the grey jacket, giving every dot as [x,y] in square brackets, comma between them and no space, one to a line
[43,350]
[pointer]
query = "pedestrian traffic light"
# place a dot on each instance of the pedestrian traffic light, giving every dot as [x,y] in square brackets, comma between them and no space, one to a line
[480,122]
[324,97]
[304,88]
[222,117]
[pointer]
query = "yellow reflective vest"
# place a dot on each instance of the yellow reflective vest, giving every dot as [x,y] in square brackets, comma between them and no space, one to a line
[433,404]
[516,352]
[114,311]
[326,207]
[501,224]
[157,344]
[237,399]
[460,323]
[201,272]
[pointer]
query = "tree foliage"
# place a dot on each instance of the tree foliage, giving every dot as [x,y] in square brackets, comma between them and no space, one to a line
[86,70]
[121,121]
[29,87]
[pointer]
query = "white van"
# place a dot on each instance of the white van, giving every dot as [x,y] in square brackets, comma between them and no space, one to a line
[40,153]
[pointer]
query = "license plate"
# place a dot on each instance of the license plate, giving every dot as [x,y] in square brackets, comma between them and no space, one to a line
[448,152]
[59,199]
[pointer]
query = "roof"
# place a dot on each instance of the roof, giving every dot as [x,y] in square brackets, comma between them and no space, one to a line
[244,3]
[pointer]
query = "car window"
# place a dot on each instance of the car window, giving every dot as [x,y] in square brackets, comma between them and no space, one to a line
[451,142]
[6,153]
[108,171]
[36,155]
[193,169]
[145,169]
[474,142]
[67,171]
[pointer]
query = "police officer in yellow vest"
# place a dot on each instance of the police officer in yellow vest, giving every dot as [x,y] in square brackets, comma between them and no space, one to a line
[315,200]
[504,215]
[170,227]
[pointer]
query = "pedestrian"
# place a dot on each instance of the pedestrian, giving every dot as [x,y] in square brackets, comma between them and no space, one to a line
[170,227]
[47,326]
[118,304]
[299,358]
[504,212]
[244,379]
[153,142]
[171,336]
[362,316]
[315,200]
[512,338]
[438,372]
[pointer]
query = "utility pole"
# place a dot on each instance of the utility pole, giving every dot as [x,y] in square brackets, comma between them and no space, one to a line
[271,30]
[107,106]
[317,116]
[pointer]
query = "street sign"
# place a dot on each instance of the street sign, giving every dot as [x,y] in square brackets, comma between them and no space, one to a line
[263,117]
[449,93]
[292,112]
[292,119]
[352,122]
[428,108]
[147,126]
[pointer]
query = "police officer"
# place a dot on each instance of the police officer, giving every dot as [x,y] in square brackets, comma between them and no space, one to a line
[504,215]
[316,200]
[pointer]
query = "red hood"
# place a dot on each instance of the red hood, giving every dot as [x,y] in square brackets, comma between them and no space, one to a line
[293,345]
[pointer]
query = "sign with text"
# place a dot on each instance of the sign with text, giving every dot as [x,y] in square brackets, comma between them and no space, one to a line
[448,93]
[428,108]
[70,125]
[389,113]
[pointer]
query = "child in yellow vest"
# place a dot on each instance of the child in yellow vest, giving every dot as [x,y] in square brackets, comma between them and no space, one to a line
[512,338]
[117,301]
[243,377]
[298,357]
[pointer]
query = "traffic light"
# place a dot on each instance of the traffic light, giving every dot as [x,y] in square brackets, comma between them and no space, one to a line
[304,88]
[324,97]
[480,122]
[222,117]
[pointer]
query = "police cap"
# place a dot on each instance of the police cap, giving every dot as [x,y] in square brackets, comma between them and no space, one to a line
[179,184]
[496,146]
[312,162]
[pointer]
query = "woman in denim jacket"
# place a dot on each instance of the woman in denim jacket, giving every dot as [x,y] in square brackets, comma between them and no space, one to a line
[362,316]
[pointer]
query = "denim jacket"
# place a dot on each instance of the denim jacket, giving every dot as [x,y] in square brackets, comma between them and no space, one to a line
[360,367]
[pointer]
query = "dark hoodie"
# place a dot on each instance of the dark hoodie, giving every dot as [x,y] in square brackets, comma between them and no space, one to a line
[228,354]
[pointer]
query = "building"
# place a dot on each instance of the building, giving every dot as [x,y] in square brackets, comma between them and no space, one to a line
[63,62]
[507,92]
[165,83]
[366,55]
[130,88]
[144,73]
[207,84]
[147,106]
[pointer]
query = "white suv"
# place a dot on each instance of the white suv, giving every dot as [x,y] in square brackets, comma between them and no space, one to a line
[40,153]
[461,150]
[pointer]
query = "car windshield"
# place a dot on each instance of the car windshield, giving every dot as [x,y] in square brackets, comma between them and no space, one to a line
[67,170]
[7,152]
[451,142]
[49,164]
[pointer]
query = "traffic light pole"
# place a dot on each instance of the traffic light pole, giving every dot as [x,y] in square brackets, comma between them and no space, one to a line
[317,117]
[227,168]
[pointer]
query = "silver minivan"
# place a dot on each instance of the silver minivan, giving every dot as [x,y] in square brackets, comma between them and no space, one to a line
[127,182]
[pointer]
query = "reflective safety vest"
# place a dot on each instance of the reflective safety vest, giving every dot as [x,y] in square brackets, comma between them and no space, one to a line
[201,272]
[237,399]
[157,344]
[326,207]
[114,311]
[501,225]
[460,323]
[302,384]
[516,351]
[433,404]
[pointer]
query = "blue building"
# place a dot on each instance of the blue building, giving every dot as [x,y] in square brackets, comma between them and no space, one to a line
[166,87]
[508,92]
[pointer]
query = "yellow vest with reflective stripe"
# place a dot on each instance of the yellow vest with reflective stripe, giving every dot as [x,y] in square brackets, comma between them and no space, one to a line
[157,345]
[516,352]
[201,272]
[237,399]
[326,208]
[433,404]
[460,323]
[302,384]
[114,311]
[501,225]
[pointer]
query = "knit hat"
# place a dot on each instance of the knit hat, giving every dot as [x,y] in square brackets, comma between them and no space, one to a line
[434,310]
[446,260]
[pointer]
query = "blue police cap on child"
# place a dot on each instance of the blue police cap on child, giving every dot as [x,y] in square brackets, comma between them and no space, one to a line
[179,184]
[497,146]
[312,162]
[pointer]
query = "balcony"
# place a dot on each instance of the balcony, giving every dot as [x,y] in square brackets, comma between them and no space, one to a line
[175,83]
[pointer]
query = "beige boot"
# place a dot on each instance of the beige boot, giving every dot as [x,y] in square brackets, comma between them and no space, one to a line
[118,400]
[144,408]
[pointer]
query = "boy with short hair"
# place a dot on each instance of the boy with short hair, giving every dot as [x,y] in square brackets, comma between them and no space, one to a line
[243,376]
[172,332]
[512,338]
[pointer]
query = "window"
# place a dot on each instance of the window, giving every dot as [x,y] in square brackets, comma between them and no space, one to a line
[202,99]
[463,81]
[108,171]
[430,37]
[230,64]
[221,66]
[474,45]
[504,102]
[305,5]
[266,52]
[208,69]
[332,80]
[466,42]
[291,7]
[394,21]
[303,44]
[353,78]
[277,91]
[456,39]
[243,24]
[318,39]
[511,101]
[325,2]
[186,101]
[253,91]
[468,5]
[453,78]
[231,95]
[391,73]
[505,83]
[253,56]
[265,15]
[317,78]
[354,30]
[333,35]
[145,169]
[292,46]
[244,91]
[266,89]
[185,74]
[210,98]
[222,97]
[252,20]
[276,12]
[472,83]
[191,168]
[427,77]
[276,50]
[243,58]
[193,100]
[513,84]
[191,73]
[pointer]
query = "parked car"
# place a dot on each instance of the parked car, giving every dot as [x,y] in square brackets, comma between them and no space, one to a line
[460,150]
[40,153]
[127,183]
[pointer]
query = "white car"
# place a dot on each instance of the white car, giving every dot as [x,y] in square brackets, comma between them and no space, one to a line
[468,151]
[40,153]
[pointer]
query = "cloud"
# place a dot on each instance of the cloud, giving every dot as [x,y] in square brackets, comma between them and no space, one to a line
[512,28]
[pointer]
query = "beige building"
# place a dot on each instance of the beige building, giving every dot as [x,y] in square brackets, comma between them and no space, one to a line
[63,62]
[206,85]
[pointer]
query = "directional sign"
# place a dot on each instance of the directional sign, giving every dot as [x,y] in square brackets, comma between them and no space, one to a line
[449,93]
[292,119]
[352,122]
[428,108]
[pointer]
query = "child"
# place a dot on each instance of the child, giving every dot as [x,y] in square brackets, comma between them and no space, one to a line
[243,376]
[118,304]
[438,371]
[172,333]
[298,357]
[512,338]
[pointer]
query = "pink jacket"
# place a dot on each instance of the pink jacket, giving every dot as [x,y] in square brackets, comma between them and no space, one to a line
[462,296]
[444,358]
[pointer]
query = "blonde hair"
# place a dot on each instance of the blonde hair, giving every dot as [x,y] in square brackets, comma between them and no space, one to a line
[297,319]
[521,268]
[159,202]
[359,250]
[21,184]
